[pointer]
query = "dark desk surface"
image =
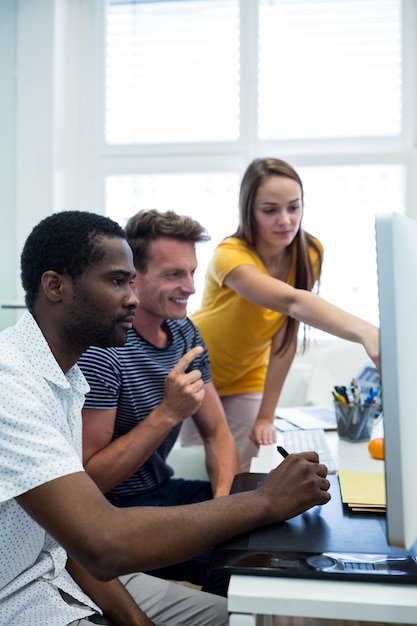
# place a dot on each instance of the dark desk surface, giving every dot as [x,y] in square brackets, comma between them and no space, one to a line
[306,545]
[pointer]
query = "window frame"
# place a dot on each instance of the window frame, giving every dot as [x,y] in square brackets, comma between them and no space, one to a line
[233,156]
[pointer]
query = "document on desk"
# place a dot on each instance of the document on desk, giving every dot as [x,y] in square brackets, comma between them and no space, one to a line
[305,417]
[363,491]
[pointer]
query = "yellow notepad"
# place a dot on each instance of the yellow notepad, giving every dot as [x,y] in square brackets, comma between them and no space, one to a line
[363,490]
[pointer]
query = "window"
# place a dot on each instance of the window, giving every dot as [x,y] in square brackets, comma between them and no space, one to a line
[172,71]
[329,69]
[341,202]
[195,89]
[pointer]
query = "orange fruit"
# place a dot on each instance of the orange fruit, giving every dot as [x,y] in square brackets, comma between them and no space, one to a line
[376,448]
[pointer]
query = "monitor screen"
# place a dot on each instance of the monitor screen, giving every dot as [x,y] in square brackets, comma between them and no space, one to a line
[396,242]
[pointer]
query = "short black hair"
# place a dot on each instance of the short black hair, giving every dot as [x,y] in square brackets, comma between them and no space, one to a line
[66,242]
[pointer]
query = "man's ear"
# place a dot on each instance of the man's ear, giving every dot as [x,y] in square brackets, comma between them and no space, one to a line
[53,285]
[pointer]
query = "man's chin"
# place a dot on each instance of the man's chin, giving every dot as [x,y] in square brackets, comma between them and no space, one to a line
[116,340]
[119,339]
[177,314]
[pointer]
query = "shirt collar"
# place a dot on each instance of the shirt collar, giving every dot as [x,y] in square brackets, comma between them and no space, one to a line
[40,356]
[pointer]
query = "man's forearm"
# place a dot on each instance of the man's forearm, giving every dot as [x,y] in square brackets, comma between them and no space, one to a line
[123,456]
[113,599]
[222,464]
[109,541]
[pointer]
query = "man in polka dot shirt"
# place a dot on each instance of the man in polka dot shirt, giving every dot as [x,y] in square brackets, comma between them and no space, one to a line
[62,544]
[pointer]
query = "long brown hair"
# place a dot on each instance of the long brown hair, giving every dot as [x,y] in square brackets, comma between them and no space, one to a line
[257,172]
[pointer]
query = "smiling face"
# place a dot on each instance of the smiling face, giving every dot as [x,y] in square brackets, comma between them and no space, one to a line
[163,290]
[277,212]
[103,303]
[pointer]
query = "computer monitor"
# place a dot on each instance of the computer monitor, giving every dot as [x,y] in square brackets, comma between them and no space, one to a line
[396,243]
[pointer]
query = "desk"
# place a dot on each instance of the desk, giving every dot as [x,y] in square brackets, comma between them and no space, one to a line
[347,455]
[249,596]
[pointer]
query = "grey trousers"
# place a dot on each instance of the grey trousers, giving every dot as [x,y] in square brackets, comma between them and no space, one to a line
[169,604]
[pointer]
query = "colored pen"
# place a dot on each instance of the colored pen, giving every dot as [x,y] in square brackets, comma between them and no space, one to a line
[341,391]
[339,397]
[282,451]
[371,396]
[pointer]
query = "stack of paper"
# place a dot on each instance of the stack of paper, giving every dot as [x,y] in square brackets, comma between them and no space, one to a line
[305,417]
[363,491]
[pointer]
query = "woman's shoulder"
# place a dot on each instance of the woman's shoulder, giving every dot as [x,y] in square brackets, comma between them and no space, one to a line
[231,242]
[230,254]
[233,251]
[235,245]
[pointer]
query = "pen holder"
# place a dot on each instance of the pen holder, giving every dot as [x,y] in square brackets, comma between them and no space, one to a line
[355,421]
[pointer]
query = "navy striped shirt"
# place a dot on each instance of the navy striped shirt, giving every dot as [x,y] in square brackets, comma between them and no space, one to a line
[131,378]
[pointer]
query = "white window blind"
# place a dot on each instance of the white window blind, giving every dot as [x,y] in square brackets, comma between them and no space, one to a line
[326,69]
[340,207]
[172,71]
[329,68]
[292,75]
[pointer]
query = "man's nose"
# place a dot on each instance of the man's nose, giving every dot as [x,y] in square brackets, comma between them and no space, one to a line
[188,285]
[132,299]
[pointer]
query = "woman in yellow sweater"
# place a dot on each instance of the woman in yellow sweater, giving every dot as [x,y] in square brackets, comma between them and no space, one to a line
[258,288]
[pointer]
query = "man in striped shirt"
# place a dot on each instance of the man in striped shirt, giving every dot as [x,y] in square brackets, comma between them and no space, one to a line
[142,392]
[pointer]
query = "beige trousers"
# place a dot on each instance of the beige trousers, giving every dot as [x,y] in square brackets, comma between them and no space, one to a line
[241,412]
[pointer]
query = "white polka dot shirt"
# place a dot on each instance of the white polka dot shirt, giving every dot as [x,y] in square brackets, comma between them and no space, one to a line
[40,440]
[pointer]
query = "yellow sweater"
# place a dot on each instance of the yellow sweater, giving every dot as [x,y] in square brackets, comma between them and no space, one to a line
[237,332]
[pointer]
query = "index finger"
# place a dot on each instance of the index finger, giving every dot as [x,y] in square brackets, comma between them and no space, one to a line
[186,360]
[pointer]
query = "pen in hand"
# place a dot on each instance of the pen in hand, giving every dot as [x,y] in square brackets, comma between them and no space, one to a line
[282,451]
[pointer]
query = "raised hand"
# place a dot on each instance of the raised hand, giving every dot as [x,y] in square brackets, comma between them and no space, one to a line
[184,390]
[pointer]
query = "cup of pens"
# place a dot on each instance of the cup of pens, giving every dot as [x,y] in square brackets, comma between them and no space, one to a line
[355,415]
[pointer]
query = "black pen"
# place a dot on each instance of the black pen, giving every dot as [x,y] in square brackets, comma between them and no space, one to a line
[282,451]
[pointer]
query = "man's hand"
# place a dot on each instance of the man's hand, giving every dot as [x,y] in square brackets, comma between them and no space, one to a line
[112,461]
[296,485]
[184,391]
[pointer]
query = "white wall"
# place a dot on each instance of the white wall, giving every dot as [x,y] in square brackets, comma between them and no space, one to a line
[26,28]
[7,156]
[45,146]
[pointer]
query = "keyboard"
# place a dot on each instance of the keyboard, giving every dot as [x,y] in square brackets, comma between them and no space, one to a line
[299,440]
